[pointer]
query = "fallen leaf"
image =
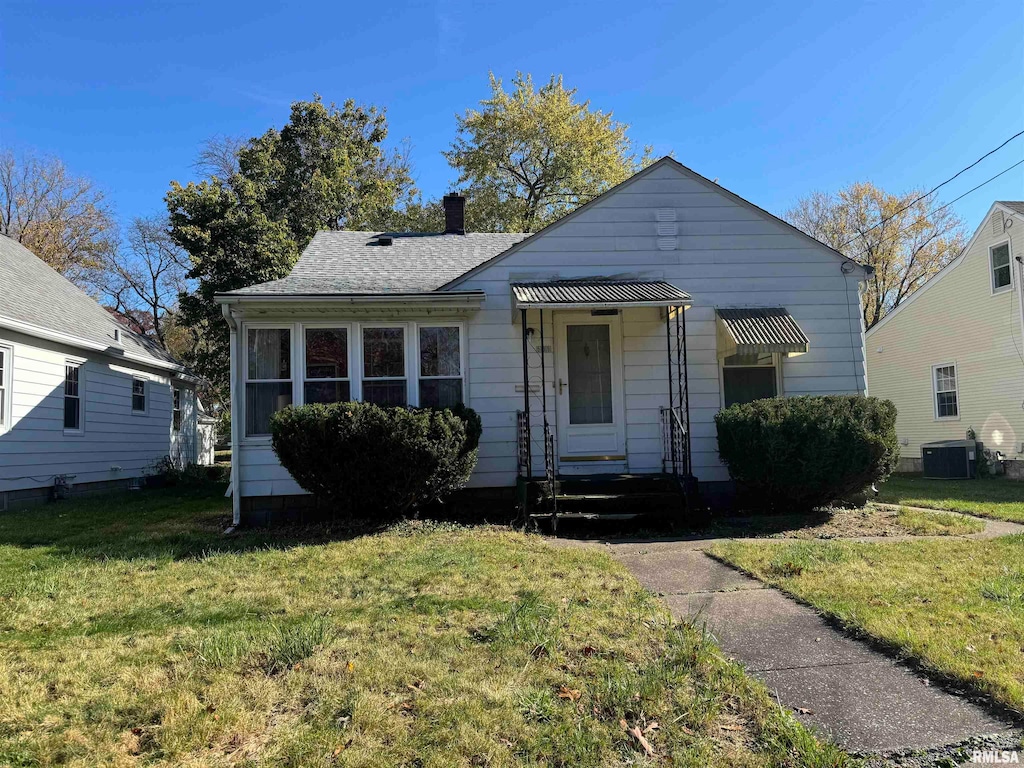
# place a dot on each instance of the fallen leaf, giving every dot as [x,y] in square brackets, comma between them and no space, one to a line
[588,650]
[569,693]
[351,666]
[637,734]
[804,711]
[978,673]
[728,727]
[652,727]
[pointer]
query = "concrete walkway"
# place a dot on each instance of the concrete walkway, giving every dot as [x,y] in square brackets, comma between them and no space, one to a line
[859,698]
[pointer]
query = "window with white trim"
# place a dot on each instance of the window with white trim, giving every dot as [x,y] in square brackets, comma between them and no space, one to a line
[384,376]
[326,360]
[1002,274]
[441,375]
[138,395]
[176,410]
[746,378]
[72,397]
[6,359]
[947,405]
[268,377]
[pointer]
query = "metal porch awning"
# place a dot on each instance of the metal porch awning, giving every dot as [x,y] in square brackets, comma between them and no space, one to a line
[758,330]
[597,293]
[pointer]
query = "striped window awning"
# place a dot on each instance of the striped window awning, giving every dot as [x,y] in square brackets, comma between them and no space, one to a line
[758,330]
[590,292]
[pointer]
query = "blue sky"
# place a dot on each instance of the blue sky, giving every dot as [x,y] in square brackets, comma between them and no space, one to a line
[773,101]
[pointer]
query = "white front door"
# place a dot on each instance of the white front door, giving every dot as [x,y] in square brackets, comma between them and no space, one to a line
[588,388]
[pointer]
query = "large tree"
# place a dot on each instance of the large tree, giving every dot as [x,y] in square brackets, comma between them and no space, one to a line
[325,169]
[60,217]
[905,239]
[529,156]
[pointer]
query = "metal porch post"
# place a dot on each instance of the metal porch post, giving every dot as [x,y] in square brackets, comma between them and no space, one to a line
[685,391]
[526,401]
[668,347]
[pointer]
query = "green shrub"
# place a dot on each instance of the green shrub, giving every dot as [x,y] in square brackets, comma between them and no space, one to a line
[799,453]
[367,461]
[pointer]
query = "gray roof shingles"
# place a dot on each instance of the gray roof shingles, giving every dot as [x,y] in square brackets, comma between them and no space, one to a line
[1013,205]
[32,292]
[352,263]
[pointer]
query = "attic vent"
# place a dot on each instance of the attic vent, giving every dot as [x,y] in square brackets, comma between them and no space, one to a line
[665,214]
[383,240]
[117,335]
[667,229]
[997,223]
[668,243]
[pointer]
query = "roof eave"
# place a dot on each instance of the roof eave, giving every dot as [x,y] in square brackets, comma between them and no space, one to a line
[425,297]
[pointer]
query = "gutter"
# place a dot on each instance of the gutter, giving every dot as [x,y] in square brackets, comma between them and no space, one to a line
[108,349]
[235,484]
[446,297]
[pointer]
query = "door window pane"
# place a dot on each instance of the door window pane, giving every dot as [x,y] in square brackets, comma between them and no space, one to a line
[588,353]
[270,353]
[384,352]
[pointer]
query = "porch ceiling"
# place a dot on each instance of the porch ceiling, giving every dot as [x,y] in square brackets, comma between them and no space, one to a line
[595,292]
[757,330]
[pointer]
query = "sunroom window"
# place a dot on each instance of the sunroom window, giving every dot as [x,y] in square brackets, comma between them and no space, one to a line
[327,376]
[440,366]
[268,383]
[384,377]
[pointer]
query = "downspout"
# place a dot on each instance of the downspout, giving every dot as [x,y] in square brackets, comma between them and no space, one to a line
[234,485]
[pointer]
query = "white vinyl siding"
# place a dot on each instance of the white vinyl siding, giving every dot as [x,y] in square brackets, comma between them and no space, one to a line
[115,444]
[6,363]
[727,254]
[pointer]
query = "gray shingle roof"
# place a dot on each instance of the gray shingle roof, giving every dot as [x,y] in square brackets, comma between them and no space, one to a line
[1013,205]
[354,263]
[32,292]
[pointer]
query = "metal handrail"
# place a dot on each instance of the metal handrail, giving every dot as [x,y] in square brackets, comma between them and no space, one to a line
[523,468]
[673,435]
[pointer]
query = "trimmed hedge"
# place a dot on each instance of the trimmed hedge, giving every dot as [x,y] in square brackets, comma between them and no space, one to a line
[367,461]
[798,453]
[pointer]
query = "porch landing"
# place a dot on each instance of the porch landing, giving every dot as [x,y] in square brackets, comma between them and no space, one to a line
[603,497]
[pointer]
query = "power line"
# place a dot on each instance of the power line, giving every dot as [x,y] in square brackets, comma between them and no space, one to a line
[899,232]
[934,189]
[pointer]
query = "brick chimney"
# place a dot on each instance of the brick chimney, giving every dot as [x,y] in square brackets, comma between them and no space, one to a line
[454,214]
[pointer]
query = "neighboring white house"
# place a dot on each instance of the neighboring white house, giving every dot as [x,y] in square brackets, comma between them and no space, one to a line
[646,311]
[83,400]
[951,357]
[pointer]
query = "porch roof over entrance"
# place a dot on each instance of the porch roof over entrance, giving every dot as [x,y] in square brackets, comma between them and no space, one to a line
[758,330]
[596,292]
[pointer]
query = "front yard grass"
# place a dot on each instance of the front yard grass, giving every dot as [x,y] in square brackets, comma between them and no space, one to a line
[957,606]
[132,632]
[994,497]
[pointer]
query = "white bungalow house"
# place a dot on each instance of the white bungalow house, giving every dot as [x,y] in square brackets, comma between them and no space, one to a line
[602,345]
[85,403]
[951,357]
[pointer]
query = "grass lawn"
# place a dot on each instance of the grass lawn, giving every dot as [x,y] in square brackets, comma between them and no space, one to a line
[957,606]
[991,497]
[132,632]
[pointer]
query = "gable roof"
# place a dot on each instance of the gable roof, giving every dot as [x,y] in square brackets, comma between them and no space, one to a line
[676,165]
[1011,206]
[353,263]
[35,299]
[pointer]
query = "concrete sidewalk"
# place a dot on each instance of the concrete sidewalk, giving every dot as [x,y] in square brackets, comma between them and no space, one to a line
[859,698]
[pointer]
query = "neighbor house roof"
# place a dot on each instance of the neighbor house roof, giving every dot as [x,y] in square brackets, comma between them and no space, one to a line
[38,301]
[589,292]
[358,263]
[1014,205]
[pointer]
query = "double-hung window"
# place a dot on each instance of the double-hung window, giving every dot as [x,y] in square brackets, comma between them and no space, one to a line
[176,410]
[72,397]
[384,375]
[138,395]
[327,376]
[268,381]
[947,405]
[746,378]
[440,366]
[1002,276]
[5,388]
